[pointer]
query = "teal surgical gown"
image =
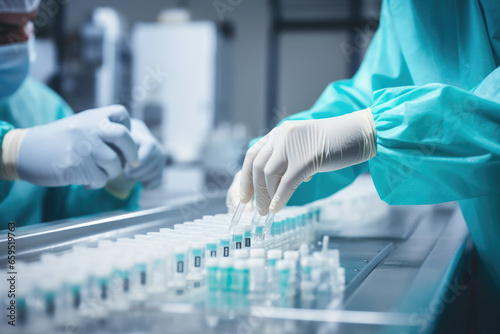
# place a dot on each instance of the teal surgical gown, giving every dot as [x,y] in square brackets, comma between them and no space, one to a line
[25,203]
[432,81]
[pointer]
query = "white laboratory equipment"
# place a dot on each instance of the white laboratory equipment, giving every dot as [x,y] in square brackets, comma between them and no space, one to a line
[174,83]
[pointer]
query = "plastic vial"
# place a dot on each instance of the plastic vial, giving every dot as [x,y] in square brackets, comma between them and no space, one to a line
[258,253]
[212,265]
[259,233]
[225,273]
[284,276]
[241,253]
[180,261]
[257,276]
[240,276]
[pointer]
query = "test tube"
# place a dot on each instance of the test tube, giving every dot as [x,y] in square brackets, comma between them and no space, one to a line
[256,219]
[268,224]
[237,215]
[196,257]
[259,233]
[180,261]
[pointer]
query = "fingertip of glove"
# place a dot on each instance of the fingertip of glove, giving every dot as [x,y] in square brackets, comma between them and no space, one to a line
[275,206]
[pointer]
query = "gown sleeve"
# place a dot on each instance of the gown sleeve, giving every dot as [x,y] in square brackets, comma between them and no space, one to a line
[383,66]
[437,143]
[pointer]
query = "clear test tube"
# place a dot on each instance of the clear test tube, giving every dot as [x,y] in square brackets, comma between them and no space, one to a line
[177,286]
[120,279]
[258,235]
[237,215]
[256,219]
[181,256]
[196,257]
[196,264]
[257,280]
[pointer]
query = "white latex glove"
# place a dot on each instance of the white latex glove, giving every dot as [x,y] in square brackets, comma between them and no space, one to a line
[152,158]
[88,148]
[233,195]
[296,150]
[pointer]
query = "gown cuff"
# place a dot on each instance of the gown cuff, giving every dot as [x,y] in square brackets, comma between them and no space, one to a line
[9,153]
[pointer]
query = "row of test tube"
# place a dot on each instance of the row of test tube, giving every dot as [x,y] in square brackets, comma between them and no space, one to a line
[173,264]
[274,277]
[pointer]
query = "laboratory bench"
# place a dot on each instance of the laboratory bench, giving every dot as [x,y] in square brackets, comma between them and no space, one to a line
[404,274]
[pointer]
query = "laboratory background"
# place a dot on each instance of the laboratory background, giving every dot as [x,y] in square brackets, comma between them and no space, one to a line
[176,246]
[207,87]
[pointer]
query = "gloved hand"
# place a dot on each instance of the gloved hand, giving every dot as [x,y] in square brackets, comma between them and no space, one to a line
[296,150]
[85,149]
[152,158]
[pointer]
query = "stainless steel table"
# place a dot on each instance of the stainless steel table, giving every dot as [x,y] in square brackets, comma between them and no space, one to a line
[402,276]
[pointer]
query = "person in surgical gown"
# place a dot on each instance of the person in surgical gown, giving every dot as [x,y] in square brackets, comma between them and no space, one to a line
[431,82]
[54,164]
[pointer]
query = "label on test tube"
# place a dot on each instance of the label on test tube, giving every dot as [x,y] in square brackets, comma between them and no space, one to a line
[225,247]
[197,257]
[50,305]
[248,238]
[180,262]
[212,249]
[123,274]
[238,240]
[141,268]
[75,291]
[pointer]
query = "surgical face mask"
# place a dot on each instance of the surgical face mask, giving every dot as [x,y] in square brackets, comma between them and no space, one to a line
[15,60]
[18,6]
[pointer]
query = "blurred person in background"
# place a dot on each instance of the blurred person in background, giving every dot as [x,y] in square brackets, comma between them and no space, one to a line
[55,164]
